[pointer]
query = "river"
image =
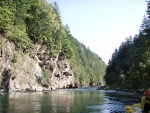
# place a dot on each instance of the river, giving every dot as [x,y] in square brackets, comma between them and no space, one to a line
[80,100]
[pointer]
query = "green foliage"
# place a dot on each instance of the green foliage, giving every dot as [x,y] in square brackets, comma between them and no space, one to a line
[87,66]
[6,12]
[29,22]
[47,77]
[19,37]
[14,59]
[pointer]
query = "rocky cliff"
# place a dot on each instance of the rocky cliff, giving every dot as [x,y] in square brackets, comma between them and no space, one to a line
[34,70]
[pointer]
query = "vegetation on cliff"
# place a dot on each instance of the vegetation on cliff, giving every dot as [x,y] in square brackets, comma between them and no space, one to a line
[30,22]
[129,66]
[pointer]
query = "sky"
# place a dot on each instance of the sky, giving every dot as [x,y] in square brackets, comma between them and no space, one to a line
[102,25]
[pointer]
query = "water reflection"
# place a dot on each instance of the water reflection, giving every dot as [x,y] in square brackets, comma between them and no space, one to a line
[66,101]
[23,102]
[4,103]
[61,101]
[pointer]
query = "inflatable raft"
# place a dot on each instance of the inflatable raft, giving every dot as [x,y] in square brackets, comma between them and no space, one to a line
[135,108]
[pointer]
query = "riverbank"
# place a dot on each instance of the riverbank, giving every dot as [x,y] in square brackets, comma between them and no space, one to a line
[139,91]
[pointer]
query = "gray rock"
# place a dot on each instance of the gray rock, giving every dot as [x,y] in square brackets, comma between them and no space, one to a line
[34,71]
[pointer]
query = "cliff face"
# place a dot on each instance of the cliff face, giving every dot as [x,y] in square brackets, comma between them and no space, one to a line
[34,70]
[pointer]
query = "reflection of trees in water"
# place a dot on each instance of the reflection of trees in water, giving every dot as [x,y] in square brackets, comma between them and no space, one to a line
[24,102]
[84,100]
[61,101]
[74,101]
[4,103]
[52,102]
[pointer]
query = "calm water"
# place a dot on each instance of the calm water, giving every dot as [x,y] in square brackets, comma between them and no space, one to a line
[83,100]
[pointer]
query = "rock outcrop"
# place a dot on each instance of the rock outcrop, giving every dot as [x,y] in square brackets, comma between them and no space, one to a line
[34,70]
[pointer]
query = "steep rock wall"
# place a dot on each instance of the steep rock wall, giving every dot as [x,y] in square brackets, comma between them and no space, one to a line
[32,71]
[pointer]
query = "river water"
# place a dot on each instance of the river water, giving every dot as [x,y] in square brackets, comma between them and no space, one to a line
[81,100]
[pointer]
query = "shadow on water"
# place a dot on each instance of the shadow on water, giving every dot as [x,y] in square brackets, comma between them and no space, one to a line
[82,100]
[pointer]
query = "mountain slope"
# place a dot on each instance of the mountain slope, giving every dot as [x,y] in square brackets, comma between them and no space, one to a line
[38,52]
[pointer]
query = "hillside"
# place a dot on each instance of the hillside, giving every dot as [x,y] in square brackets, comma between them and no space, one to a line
[37,52]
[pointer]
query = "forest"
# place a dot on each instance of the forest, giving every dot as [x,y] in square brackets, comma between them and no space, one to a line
[30,22]
[129,66]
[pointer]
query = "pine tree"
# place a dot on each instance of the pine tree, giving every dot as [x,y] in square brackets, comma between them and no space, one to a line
[145,27]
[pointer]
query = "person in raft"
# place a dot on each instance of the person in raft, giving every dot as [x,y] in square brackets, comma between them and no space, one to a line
[145,102]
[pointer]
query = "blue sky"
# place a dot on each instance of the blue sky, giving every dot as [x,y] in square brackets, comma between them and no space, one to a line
[102,25]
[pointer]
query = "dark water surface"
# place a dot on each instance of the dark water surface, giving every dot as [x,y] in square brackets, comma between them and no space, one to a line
[83,100]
